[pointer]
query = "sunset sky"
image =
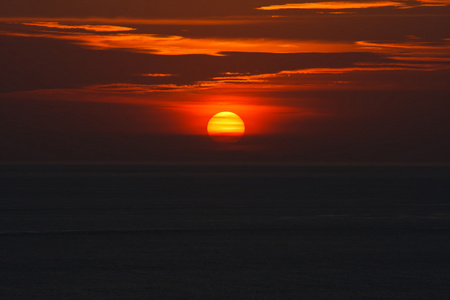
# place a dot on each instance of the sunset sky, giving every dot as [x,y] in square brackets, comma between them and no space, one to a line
[138,80]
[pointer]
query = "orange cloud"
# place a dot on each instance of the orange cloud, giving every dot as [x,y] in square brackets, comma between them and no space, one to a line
[411,51]
[334,5]
[325,78]
[434,2]
[422,58]
[200,22]
[158,75]
[145,88]
[408,45]
[285,80]
[179,45]
[97,28]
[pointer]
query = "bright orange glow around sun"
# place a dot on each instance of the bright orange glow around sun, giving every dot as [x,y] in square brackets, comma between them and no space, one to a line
[226,127]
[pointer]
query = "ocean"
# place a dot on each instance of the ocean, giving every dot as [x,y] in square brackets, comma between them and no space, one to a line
[224,231]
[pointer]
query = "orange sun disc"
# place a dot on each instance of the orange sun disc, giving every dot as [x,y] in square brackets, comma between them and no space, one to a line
[226,127]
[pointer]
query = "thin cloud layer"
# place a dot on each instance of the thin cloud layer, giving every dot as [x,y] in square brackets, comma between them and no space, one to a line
[346,5]
[56,21]
[334,5]
[271,73]
[97,28]
[434,2]
[179,45]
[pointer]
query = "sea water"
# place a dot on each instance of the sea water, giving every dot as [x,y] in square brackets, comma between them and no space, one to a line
[224,231]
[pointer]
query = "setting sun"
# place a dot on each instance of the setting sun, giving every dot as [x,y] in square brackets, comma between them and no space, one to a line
[226,127]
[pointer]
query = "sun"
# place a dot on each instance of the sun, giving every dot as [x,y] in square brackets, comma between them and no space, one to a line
[226,127]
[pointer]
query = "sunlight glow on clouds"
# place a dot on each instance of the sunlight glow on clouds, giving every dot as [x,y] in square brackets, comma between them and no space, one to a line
[178,45]
[364,67]
[409,46]
[97,28]
[411,51]
[301,79]
[334,5]
[51,21]
[147,88]
[158,75]
[337,5]
[434,2]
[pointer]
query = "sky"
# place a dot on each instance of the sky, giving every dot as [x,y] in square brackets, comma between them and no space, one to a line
[138,80]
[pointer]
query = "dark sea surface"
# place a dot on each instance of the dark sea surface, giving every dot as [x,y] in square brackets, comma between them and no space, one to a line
[212,231]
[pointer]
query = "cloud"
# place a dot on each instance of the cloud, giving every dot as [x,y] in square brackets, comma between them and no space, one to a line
[412,50]
[408,45]
[156,63]
[158,75]
[360,76]
[70,66]
[179,45]
[97,28]
[145,88]
[335,5]
[348,78]
[343,5]
[51,22]
[434,2]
